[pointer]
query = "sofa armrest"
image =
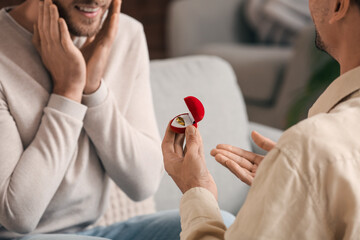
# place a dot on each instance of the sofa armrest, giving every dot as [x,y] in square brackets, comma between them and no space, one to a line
[193,23]
[269,132]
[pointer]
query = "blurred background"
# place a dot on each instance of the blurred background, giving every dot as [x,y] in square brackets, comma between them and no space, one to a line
[269,44]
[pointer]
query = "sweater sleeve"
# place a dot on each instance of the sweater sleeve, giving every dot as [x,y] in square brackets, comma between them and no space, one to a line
[128,143]
[30,177]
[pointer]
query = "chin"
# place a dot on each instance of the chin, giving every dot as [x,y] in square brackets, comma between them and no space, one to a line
[83,33]
[84,30]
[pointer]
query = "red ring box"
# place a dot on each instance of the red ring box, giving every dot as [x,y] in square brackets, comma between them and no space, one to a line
[196,114]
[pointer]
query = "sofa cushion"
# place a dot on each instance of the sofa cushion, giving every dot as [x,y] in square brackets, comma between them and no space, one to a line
[212,81]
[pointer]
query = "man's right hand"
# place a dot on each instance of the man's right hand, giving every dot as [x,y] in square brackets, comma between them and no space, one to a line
[97,49]
[187,166]
[60,56]
[240,162]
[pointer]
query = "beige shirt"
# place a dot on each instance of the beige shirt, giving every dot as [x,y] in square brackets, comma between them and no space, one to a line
[307,187]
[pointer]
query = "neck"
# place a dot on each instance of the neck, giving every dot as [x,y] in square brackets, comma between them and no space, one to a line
[26,14]
[349,58]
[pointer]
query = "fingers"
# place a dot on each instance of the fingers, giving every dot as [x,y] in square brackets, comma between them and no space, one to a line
[249,156]
[109,30]
[243,174]
[115,6]
[65,37]
[179,144]
[262,142]
[239,172]
[239,160]
[201,146]
[167,145]
[193,143]
[41,22]
[191,134]
[112,29]
[54,23]
[47,25]
[46,19]
[223,156]
[192,139]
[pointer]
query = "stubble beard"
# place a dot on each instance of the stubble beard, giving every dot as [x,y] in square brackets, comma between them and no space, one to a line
[85,28]
[319,43]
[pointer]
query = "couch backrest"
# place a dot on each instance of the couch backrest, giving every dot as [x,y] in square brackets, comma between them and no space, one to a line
[212,81]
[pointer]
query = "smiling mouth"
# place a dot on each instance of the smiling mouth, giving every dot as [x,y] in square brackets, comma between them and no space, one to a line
[87,9]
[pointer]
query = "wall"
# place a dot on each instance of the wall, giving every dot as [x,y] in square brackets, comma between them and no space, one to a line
[152,14]
[4,3]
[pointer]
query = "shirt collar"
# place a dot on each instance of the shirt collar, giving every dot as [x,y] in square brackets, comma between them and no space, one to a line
[339,89]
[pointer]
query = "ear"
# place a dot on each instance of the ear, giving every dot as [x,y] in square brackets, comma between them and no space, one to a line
[339,10]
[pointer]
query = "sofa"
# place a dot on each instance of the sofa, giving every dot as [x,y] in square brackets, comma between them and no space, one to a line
[213,81]
[271,76]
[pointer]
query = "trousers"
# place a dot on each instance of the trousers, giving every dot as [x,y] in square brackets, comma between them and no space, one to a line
[164,225]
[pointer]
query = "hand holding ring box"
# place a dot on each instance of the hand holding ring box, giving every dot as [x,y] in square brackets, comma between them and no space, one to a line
[196,114]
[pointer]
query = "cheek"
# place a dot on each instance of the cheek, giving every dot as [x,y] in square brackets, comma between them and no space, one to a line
[319,10]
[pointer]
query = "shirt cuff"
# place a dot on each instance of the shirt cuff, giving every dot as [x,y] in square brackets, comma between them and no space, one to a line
[97,97]
[197,205]
[67,106]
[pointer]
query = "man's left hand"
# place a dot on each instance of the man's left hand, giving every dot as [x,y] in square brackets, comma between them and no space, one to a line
[96,49]
[240,162]
[187,166]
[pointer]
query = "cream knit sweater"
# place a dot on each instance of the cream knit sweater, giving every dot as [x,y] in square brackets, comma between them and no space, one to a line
[57,155]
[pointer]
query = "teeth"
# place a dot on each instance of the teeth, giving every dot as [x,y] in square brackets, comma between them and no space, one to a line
[88,9]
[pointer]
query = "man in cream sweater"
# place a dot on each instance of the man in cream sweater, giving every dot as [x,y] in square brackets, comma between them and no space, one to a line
[307,186]
[75,110]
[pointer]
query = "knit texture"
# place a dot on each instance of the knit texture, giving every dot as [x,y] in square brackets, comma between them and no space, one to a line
[121,207]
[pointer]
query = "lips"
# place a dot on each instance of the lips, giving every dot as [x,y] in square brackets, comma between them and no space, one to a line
[88,11]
